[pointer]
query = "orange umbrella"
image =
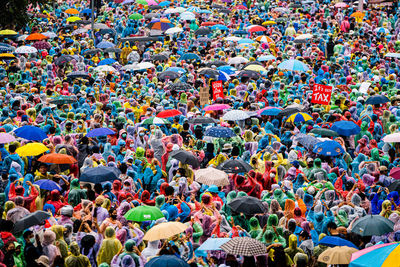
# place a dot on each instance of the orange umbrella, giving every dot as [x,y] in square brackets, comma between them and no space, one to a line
[264,39]
[357,14]
[57,159]
[72,11]
[36,37]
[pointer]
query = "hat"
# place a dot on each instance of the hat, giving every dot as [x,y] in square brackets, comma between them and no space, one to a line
[382,168]
[227,147]
[67,211]
[43,260]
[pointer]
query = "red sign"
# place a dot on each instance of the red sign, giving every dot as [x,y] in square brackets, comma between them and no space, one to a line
[218,89]
[321,94]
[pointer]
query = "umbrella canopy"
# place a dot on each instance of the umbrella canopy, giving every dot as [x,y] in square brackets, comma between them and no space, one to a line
[209,72]
[212,244]
[78,74]
[395,173]
[144,213]
[32,219]
[25,50]
[185,157]
[100,132]
[219,132]
[288,111]
[237,60]
[392,138]
[345,128]
[324,132]
[249,74]
[372,225]
[63,59]
[235,166]
[155,120]
[202,120]
[105,44]
[169,113]
[105,68]
[57,158]
[328,148]
[164,231]
[244,246]
[203,31]
[337,255]
[377,99]
[247,205]
[216,107]
[380,255]
[107,61]
[235,115]
[166,261]
[159,57]
[36,37]
[395,186]
[266,58]
[306,140]
[293,65]
[299,117]
[168,75]
[31,149]
[211,176]
[180,86]
[334,241]
[99,174]
[63,100]
[31,133]
[48,185]
[6,138]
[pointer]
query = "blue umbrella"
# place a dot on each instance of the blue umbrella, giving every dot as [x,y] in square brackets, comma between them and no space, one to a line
[219,131]
[100,132]
[227,69]
[205,11]
[333,241]
[293,65]
[166,261]
[176,69]
[328,148]
[164,3]
[48,185]
[270,111]
[86,11]
[99,174]
[107,61]
[105,44]
[377,99]
[306,140]
[240,32]
[219,27]
[223,76]
[266,58]
[189,56]
[213,244]
[346,128]
[246,41]
[30,133]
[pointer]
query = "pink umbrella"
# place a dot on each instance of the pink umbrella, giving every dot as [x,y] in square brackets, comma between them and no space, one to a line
[216,107]
[359,253]
[151,2]
[392,138]
[42,45]
[6,138]
[341,5]
[395,173]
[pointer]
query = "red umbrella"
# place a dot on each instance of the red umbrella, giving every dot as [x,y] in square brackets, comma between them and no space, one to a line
[57,158]
[208,23]
[395,173]
[36,37]
[257,28]
[169,113]
[241,7]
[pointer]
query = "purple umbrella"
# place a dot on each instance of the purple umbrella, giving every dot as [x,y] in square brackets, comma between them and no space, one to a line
[6,138]
[100,132]
[41,45]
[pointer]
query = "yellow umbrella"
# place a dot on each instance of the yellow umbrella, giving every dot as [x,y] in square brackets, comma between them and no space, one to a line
[299,117]
[8,32]
[255,68]
[164,231]
[7,56]
[31,149]
[72,11]
[337,255]
[269,22]
[73,19]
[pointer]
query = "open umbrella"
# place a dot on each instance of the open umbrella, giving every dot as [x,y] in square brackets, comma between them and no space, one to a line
[164,231]
[105,44]
[107,61]
[203,31]
[99,174]
[144,213]
[32,219]
[100,132]
[244,246]
[395,173]
[159,57]
[200,120]
[235,166]
[180,86]
[377,99]
[31,149]
[211,176]
[166,261]
[25,50]
[392,138]
[60,100]
[57,158]
[386,254]
[155,120]
[48,185]
[249,74]
[32,133]
[328,148]
[63,59]
[36,37]
[212,244]
[235,115]
[293,65]
[220,132]
[6,138]
[288,111]
[216,107]
[299,117]
[306,140]
[269,111]
[185,157]
[324,132]
[337,255]
[370,225]
[247,205]
[345,128]
[169,113]
[78,74]
[168,75]
[334,241]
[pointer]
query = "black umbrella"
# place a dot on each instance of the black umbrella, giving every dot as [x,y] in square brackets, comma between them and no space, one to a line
[370,225]
[202,120]
[78,74]
[99,174]
[91,51]
[111,32]
[32,219]
[168,75]
[113,50]
[395,186]
[203,31]
[217,63]
[154,7]
[377,99]
[185,157]
[203,39]
[324,132]
[235,166]
[63,59]
[288,111]
[247,205]
[249,74]
[150,15]
[180,86]
[224,10]
[159,57]
[209,72]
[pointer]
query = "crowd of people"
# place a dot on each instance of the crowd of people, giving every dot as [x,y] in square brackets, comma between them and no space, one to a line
[125,90]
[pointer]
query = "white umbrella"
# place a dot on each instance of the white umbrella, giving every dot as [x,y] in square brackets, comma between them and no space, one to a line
[170,11]
[22,37]
[233,38]
[106,68]
[211,176]
[392,138]
[133,56]
[51,35]
[237,60]
[173,30]
[145,65]
[26,50]
[130,67]
[180,9]
[97,26]
[187,16]
[235,115]
[304,36]
[79,31]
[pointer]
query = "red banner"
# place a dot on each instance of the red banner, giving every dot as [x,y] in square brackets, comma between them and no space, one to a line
[321,94]
[218,89]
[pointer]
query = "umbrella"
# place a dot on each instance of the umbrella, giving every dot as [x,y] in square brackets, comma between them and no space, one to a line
[256,28]
[212,244]
[185,157]
[337,255]
[377,99]
[216,63]
[107,61]
[6,138]
[247,205]
[187,16]
[372,225]
[60,100]
[237,60]
[299,117]
[31,149]
[72,11]
[36,37]
[176,69]
[219,27]
[159,57]
[395,186]
[216,107]
[169,113]
[392,138]
[266,58]
[51,35]
[180,86]
[328,148]
[25,50]
[306,140]
[91,51]
[6,56]
[144,213]
[345,128]
[324,132]
[155,120]
[235,166]
[166,261]
[227,69]
[293,65]
[269,111]
[73,19]
[334,241]
[8,33]
[105,44]
[97,26]
[160,24]
[211,176]
[220,132]
[168,75]
[341,5]
[63,59]
[164,231]
[42,45]
[235,115]
[100,132]
[246,41]
[31,133]
[135,16]
[200,120]
[48,185]
[173,30]
[99,174]
[394,55]
[378,255]
[35,218]
[57,158]
[395,173]
[249,74]
[244,246]
[86,11]
[78,74]
[209,72]
[288,111]
[233,38]
[190,56]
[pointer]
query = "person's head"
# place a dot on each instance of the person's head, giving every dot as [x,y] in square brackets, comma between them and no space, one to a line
[43,168]
[9,247]
[331,226]
[303,236]
[12,148]
[29,237]
[113,213]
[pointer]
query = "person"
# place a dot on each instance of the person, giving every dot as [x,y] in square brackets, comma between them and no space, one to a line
[32,252]
[110,246]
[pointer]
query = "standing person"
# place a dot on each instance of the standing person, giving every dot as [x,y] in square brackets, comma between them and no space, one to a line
[32,252]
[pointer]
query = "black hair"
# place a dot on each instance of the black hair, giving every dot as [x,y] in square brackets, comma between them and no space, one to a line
[12,148]
[331,225]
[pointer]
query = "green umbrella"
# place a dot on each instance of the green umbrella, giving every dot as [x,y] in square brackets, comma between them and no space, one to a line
[136,16]
[143,213]
[324,132]
[155,120]
[141,2]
